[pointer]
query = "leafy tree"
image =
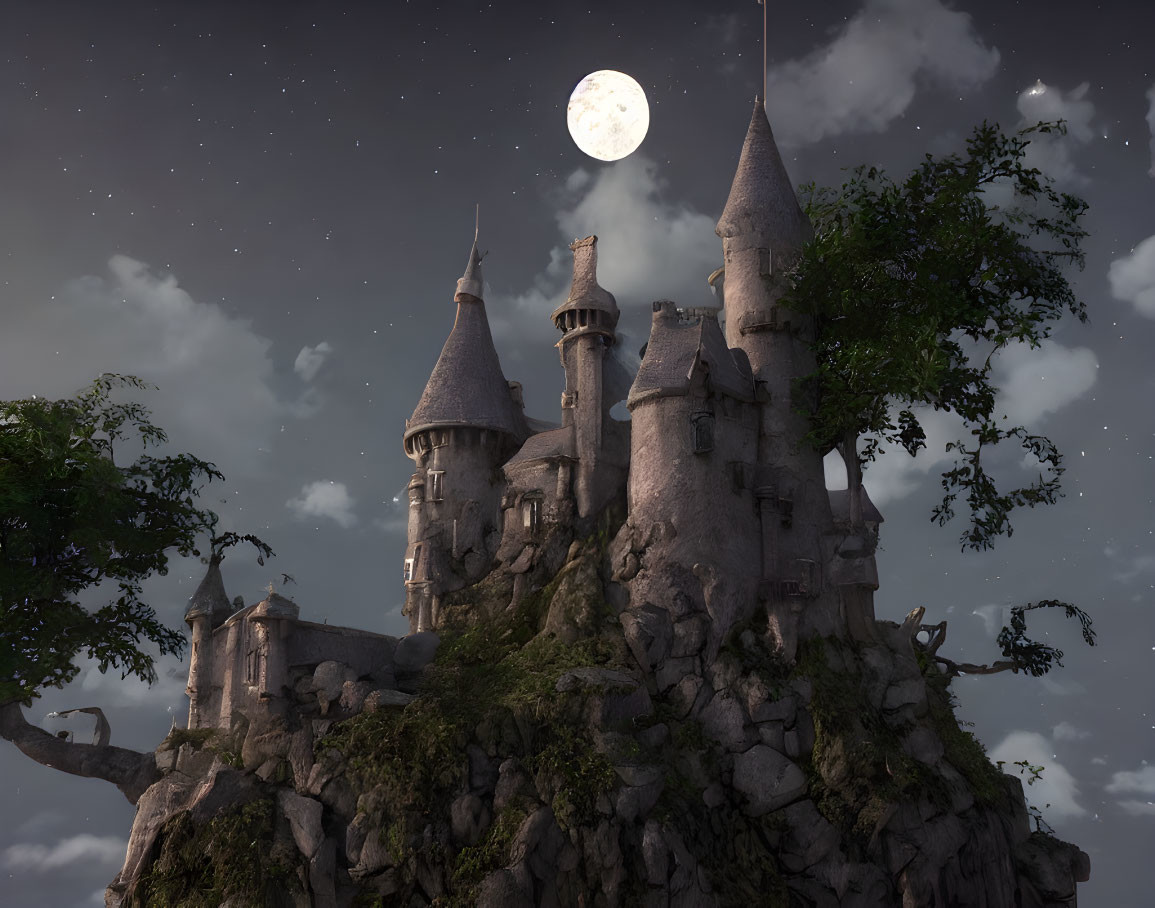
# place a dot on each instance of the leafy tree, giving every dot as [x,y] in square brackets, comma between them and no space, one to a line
[915,288]
[70,518]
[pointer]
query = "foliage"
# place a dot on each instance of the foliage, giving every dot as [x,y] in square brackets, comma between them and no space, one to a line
[1033,657]
[70,519]
[227,859]
[915,287]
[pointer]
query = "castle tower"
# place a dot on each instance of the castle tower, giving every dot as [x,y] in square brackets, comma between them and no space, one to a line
[763,230]
[207,610]
[467,423]
[587,320]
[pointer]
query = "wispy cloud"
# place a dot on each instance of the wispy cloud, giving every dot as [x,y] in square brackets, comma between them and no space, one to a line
[1132,277]
[214,371]
[309,361]
[1141,782]
[1053,153]
[867,76]
[1055,792]
[324,498]
[36,858]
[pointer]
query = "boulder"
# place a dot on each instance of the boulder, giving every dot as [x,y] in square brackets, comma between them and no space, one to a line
[767,779]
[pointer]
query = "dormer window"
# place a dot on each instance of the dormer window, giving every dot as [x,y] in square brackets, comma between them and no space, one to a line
[436,485]
[703,432]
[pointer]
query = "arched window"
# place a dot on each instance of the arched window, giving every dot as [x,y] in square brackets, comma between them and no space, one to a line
[703,432]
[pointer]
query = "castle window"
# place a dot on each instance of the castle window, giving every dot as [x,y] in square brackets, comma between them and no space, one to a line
[531,514]
[253,666]
[703,432]
[436,485]
[440,438]
[764,262]
[409,562]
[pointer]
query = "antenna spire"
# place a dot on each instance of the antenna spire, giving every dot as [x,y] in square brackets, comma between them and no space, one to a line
[764,16]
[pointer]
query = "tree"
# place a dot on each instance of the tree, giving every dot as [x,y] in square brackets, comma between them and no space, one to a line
[70,519]
[915,288]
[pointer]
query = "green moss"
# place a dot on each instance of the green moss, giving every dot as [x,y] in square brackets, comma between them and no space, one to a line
[962,749]
[178,737]
[493,682]
[491,853]
[234,856]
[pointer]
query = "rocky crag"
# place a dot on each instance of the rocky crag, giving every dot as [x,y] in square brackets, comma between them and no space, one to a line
[580,749]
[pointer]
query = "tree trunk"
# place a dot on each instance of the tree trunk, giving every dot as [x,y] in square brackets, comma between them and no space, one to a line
[848,448]
[130,771]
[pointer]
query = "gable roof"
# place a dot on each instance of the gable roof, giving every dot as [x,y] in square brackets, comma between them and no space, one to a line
[677,348]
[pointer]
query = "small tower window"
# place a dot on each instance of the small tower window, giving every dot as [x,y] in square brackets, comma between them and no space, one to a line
[409,562]
[703,432]
[764,262]
[531,514]
[436,485]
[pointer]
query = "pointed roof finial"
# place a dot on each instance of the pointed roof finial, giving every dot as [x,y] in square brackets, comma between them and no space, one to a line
[209,600]
[471,282]
[762,207]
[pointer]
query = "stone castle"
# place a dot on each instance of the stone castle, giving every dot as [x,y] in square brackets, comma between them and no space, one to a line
[712,459]
[727,505]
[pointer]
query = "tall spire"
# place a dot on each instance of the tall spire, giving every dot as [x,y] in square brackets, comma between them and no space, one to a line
[467,387]
[471,283]
[762,208]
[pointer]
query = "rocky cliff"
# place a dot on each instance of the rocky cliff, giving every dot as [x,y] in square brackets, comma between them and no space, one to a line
[579,750]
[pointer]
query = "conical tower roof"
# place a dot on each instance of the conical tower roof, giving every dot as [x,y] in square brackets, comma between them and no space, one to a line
[585,292]
[762,206]
[210,600]
[467,387]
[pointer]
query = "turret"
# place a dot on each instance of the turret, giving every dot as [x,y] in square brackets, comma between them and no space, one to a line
[207,610]
[763,231]
[587,320]
[466,425]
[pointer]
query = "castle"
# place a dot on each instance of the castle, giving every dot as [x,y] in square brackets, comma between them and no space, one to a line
[727,506]
[712,459]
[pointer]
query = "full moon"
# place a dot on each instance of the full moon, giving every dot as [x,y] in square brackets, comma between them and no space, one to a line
[608,115]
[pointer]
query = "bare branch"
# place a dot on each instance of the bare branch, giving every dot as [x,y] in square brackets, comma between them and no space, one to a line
[129,770]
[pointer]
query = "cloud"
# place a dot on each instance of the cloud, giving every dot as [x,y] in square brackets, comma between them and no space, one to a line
[1032,385]
[1055,791]
[324,498]
[1052,152]
[1065,731]
[107,689]
[1138,808]
[1151,125]
[1132,277]
[1140,781]
[214,371]
[107,849]
[993,617]
[648,248]
[310,360]
[1035,383]
[867,75]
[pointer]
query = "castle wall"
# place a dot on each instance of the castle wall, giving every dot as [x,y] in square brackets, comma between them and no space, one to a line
[797,518]
[707,496]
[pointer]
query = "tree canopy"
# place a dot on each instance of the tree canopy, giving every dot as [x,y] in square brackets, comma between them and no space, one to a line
[70,519]
[915,287]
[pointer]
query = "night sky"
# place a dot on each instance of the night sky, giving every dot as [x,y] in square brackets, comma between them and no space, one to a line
[263,208]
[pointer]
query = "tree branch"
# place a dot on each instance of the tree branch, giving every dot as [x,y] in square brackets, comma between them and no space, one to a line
[129,770]
[954,669]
